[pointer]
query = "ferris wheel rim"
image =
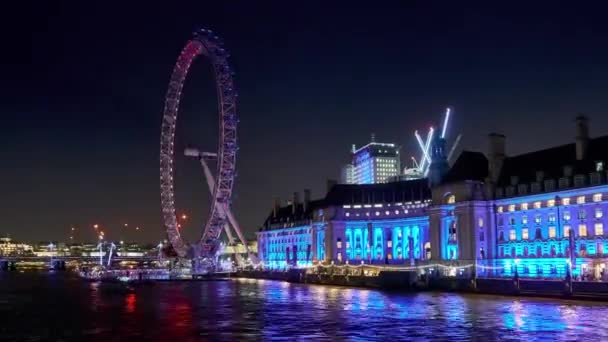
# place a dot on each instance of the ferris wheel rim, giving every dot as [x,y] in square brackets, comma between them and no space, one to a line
[205,44]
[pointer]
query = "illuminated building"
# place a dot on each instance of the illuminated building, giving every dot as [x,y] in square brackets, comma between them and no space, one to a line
[347,174]
[539,214]
[375,223]
[8,247]
[373,163]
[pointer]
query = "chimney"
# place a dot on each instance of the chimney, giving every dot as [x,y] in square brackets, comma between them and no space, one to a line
[330,184]
[295,202]
[275,207]
[439,162]
[306,199]
[496,155]
[582,136]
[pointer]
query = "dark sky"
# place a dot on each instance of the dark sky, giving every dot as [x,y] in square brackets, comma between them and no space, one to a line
[83,88]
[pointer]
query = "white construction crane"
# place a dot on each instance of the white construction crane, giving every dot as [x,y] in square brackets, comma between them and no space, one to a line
[421,168]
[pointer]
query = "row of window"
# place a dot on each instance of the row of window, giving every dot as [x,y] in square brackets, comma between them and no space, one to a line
[582,215]
[549,203]
[582,231]
[378,213]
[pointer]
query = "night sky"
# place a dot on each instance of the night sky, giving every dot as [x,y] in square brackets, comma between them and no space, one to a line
[83,88]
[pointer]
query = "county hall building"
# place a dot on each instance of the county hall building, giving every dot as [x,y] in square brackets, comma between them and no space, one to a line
[539,214]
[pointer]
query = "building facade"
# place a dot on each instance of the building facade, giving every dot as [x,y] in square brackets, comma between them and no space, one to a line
[539,214]
[372,163]
[373,224]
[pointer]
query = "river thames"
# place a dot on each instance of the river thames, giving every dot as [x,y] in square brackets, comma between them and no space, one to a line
[43,306]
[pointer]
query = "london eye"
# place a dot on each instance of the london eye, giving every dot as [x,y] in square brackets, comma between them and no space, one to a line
[203,44]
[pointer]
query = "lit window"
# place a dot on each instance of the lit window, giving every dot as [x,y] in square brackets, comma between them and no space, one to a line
[566,216]
[599,166]
[567,230]
[511,207]
[580,200]
[524,219]
[551,217]
[347,214]
[551,232]
[597,197]
[512,234]
[524,206]
[524,234]
[551,203]
[537,205]
[582,230]
[511,220]
[599,229]
[566,201]
[500,209]
[377,213]
[451,199]
[480,222]
[537,219]
[339,243]
[599,213]
[397,212]
[389,243]
[582,214]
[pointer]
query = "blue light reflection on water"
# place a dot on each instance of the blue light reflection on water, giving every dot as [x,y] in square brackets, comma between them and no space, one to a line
[259,309]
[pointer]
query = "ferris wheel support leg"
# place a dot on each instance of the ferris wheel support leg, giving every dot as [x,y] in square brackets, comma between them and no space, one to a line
[225,209]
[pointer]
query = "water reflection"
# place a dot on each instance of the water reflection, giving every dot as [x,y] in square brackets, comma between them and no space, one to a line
[67,308]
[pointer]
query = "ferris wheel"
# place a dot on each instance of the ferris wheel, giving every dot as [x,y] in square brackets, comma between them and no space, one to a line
[204,43]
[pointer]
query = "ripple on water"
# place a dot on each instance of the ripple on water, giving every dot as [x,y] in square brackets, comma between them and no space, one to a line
[61,307]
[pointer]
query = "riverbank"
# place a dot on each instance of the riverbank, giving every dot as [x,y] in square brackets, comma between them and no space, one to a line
[409,281]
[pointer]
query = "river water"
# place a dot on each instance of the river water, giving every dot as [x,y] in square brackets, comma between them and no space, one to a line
[47,306]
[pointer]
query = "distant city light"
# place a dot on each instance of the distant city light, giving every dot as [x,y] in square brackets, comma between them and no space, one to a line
[184,216]
[95,226]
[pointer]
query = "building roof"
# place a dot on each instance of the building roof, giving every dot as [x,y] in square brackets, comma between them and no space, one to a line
[286,214]
[551,162]
[401,191]
[340,194]
[375,149]
[469,166]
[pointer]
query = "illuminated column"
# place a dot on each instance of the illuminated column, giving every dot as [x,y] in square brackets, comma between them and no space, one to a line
[465,229]
[435,233]
[313,231]
[329,242]
[370,242]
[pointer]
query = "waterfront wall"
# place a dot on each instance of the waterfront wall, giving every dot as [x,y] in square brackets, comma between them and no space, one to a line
[409,281]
